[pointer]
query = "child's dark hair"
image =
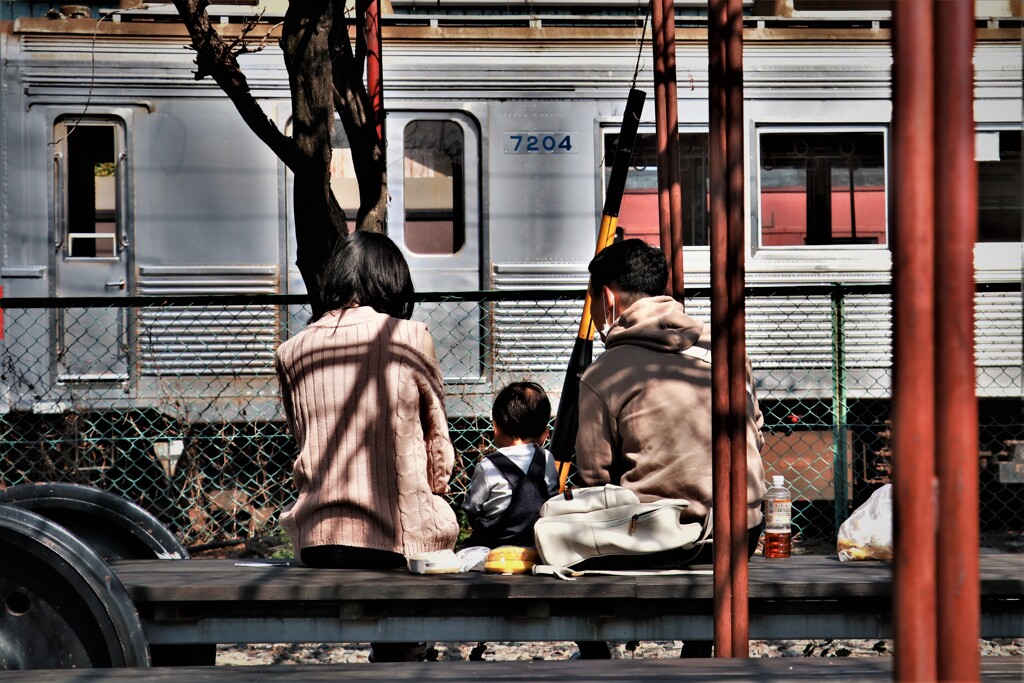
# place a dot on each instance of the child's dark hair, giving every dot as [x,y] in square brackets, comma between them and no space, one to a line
[522,410]
[368,269]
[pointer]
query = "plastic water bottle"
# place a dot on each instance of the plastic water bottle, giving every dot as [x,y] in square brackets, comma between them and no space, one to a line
[778,510]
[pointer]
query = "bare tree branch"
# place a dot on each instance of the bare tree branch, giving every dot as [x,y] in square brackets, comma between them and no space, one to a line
[358,119]
[240,45]
[214,58]
[325,71]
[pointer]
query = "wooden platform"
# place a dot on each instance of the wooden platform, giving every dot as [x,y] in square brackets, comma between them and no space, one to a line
[995,669]
[224,601]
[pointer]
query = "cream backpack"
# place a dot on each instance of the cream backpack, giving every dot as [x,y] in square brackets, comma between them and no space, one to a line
[610,521]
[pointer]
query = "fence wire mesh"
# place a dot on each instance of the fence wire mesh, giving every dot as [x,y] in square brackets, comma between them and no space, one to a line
[173,404]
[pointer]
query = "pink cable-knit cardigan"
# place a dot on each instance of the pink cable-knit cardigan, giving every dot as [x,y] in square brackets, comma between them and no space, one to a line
[363,397]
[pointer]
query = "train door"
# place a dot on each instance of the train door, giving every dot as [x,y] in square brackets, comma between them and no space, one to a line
[434,216]
[91,248]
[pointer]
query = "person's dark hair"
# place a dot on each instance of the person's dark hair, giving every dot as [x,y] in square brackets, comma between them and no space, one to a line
[631,266]
[368,269]
[522,410]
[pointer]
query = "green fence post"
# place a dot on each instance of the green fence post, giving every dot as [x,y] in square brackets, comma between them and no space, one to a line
[839,405]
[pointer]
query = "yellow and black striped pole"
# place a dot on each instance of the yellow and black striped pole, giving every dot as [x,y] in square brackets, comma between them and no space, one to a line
[563,441]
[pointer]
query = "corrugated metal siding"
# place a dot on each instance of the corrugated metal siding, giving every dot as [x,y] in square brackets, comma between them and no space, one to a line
[789,342]
[998,345]
[789,332]
[517,345]
[868,345]
[536,337]
[868,328]
[207,340]
[997,326]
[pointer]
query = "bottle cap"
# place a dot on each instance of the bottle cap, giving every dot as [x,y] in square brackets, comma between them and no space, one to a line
[778,481]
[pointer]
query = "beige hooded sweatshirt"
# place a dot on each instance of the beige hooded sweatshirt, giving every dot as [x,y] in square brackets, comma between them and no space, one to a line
[645,411]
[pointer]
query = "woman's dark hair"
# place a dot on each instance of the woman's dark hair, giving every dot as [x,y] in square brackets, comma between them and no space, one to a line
[522,410]
[368,269]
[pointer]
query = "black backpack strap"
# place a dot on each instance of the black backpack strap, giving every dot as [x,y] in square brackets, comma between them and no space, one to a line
[508,469]
[538,466]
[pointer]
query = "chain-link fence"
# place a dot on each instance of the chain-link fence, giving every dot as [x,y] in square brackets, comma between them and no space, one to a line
[173,402]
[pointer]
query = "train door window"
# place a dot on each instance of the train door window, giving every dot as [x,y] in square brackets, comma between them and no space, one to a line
[638,215]
[88,187]
[434,188]
[822,188]
[999,185]
[91,256]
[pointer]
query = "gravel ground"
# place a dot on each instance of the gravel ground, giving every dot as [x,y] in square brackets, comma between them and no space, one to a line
[243,655]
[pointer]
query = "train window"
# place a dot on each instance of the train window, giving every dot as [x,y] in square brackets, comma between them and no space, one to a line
[433,187]
[822,188]
[999,182]
[89,180]
[638,215]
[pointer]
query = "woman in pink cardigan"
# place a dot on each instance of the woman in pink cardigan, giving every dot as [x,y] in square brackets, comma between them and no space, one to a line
[363,397]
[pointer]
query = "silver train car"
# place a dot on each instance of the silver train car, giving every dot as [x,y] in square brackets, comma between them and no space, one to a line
[122,176]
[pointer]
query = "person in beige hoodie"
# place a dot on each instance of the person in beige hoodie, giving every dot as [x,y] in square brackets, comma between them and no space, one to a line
[645,402]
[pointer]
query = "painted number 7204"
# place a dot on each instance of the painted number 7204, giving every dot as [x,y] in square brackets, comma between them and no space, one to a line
[539,143]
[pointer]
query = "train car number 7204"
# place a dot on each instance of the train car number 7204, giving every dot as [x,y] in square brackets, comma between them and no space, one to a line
[539,143]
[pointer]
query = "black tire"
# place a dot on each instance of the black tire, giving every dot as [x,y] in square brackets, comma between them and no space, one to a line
[63,606]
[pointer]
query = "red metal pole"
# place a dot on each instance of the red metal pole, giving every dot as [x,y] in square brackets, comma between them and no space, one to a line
[661,134]
[675,193]
[735,276]
[956,406]
[375,66]
[913,412]
[721,464]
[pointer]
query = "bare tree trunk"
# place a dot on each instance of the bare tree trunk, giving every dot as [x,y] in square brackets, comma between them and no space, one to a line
[319,220]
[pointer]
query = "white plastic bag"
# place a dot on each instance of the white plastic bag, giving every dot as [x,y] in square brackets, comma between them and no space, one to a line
[867,534]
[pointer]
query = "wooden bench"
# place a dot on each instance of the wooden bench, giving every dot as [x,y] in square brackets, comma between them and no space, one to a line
[995,669]
[804,597]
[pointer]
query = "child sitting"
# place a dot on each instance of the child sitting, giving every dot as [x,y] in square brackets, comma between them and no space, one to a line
[509,486]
